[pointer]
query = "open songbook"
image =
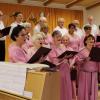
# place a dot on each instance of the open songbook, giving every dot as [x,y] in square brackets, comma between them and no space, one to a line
[41,52]
[5,31]
[98,39]
[95,54]
[67,53]
[50,64]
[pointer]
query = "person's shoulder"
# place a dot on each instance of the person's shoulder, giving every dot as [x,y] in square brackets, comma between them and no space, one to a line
[13,47]
[56,28]
[13,24]
[1,22]
[37,25]
[2,25]
[94,25]
[76,36]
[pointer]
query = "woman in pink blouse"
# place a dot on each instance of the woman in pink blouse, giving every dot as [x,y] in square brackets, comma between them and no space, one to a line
[74,43]
[87,83]
[62,65]
[29,42]
[16,52]
[48,38]
[74,40]
[37,40]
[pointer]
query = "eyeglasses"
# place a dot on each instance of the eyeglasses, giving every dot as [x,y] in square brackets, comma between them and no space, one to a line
[23,35]
[89,29]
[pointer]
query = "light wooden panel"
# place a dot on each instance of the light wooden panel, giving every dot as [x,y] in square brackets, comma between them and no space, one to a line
[4,95]
[43,85]
[83,3]
[52,15]
[38,0]
[86,2]
[62,1]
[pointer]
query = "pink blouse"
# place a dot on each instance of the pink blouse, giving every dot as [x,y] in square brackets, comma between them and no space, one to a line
[17,54]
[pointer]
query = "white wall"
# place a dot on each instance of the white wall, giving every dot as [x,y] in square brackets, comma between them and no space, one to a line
[95,12]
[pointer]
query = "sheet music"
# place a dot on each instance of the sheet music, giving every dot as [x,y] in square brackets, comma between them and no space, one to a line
[12,77]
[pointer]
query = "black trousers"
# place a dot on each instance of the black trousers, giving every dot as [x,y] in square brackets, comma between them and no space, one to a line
[2,50]
[99,77]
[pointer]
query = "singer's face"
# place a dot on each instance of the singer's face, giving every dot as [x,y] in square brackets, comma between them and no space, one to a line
[88,31]
[39,42]
[28,29]
[57,39]
[71,29]
[21,37]
[61,23]
[90,42]
[65,40]
[19,17]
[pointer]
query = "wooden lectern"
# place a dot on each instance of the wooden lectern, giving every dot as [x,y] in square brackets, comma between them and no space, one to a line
[43,85]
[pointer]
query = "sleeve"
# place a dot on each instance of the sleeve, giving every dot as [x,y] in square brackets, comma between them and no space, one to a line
[18,56]
[52,57]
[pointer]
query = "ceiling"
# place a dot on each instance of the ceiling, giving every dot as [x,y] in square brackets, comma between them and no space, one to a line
[88,4]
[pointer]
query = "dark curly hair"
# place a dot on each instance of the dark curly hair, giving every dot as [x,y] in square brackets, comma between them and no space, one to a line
[15,32]
[70,25]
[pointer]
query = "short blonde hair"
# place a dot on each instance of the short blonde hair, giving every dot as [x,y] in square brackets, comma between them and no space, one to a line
[37,36]
[65,36]
[43,35]
[27,24]
[61,19]
[44,26]
[75,21]
[42,19]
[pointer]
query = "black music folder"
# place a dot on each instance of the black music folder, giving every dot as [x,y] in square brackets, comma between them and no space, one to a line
[41,52]
[49,63]
[95,54]
[68,53]
[98,39]
[5,31]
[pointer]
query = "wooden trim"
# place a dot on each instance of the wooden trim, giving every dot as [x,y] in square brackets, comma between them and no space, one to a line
[20,1]
[13,95]
[93,5]
[70,4]
[47,2]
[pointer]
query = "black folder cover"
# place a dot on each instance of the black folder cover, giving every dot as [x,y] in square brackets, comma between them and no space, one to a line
[42,51]
[5,31]
[49,63]
[95,54]
[98,39]
[67,53]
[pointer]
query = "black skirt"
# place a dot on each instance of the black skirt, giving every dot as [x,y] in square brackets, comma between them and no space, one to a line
[73,74]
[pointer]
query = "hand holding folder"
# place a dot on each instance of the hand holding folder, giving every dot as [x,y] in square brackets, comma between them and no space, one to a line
[5,31]
[98,39]
[67,54]
[51,65]
[41,52]
[95,54]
